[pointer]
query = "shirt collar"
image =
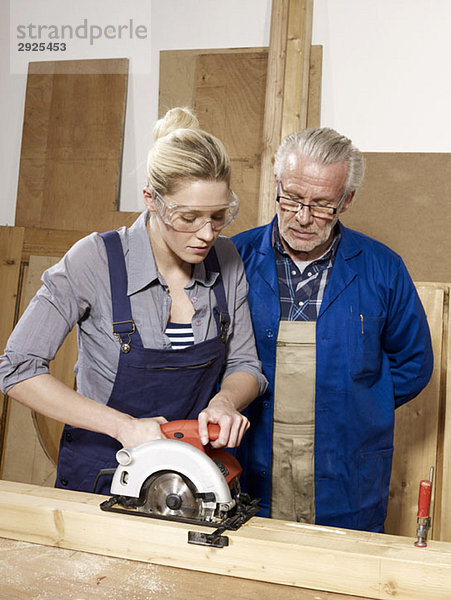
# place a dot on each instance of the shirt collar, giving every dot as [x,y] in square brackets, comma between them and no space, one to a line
[141,266]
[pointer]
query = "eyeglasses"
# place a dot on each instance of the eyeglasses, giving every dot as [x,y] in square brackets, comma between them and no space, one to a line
[316,209]
[189,219]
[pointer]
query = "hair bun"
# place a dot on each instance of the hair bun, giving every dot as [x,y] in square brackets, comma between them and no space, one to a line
[175,118]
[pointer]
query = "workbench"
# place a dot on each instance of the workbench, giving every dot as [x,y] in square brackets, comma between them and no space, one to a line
[47,573]
[65,546]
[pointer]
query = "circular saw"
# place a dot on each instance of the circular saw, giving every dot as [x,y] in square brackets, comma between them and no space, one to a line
[179,479]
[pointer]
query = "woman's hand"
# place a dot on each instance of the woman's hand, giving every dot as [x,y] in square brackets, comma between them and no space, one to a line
[137,431]
[233,424]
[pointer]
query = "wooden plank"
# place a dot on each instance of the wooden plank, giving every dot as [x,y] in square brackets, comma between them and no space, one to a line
[229,100]
[416,430]
[297,66]
[315,86]
[445,436]
[11,242]
[272,122]
[337,560]
[70,175]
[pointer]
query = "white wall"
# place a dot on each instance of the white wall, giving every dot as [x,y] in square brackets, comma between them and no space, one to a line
[386,69]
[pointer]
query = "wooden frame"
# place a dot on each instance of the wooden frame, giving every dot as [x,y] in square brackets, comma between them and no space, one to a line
[337,560]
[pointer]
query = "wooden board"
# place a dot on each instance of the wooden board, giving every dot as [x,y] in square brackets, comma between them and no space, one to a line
[229,101]
[32,441]
[11,241]
[347,562]
[35,571]
[417,426]
[444,445]
[297,66]
[72,144]
[272,122]
[404,203]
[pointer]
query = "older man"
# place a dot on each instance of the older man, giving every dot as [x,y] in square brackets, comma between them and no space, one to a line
[343,339]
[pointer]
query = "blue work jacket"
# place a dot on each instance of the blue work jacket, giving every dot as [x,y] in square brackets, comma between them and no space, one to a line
[373,353]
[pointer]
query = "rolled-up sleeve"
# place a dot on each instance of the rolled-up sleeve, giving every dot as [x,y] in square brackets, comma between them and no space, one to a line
[241,350]
[50,316]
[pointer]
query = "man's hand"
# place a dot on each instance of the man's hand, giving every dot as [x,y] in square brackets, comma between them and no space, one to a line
[233,424]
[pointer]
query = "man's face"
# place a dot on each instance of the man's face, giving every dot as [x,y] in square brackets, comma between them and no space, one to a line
[304,236]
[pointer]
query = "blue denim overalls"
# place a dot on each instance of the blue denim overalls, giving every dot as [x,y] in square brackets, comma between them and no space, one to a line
[176,384]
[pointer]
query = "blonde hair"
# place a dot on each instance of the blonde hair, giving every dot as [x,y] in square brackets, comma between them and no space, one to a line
[184,152]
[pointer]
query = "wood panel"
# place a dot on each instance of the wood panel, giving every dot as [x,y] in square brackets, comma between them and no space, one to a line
[404,203]
[178,74]
[72,144]
[229,100]
[11,241]
[36,571]
[31,435]
[417,425]
[337,560]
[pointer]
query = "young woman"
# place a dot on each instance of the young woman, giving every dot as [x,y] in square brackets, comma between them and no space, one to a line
[164,330]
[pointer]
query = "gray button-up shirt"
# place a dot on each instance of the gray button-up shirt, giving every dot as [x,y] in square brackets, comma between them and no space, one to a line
[77,291]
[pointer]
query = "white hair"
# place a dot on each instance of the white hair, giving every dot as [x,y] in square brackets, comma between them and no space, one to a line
[325,146]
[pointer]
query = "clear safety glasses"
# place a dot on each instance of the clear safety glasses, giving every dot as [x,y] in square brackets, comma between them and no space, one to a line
[189,219]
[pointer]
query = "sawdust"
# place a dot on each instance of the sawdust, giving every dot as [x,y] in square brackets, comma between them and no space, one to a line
[46,573]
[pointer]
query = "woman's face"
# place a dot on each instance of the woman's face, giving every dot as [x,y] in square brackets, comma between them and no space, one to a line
[201,203]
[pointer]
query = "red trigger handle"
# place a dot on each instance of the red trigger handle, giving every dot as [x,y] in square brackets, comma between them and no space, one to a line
[188,431]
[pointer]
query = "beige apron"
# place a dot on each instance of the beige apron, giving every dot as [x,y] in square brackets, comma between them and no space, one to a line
[292,482]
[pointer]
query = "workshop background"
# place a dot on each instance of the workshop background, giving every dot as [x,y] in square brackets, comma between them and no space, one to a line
[376,71]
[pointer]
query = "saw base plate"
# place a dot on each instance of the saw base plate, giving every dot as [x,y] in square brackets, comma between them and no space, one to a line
[245,509]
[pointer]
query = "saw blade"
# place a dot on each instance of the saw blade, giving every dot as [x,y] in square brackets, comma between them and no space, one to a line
[170,494]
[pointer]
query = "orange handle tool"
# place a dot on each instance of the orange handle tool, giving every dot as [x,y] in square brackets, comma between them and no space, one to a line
[188,431]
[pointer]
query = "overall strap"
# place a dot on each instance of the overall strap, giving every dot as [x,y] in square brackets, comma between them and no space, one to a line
[221,311]
[123,324]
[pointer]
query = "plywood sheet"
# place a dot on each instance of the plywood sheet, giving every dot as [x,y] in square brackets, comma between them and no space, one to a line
[404,202]
[11,241]
[417,426]
[229,100]
[178,74]
[72,143]
[31,448]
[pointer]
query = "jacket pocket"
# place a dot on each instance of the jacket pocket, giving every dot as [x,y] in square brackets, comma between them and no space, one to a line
[374,481]
[364,346]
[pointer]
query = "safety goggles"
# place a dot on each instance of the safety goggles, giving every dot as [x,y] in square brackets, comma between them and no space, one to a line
[189,219]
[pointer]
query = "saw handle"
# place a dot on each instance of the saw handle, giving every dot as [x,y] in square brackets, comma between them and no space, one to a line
[188,431]
[424,498]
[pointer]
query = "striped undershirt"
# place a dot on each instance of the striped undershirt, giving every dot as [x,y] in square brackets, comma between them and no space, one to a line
[180,334]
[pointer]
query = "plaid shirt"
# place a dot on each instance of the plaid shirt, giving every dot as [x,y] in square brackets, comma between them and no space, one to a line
[301,293]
